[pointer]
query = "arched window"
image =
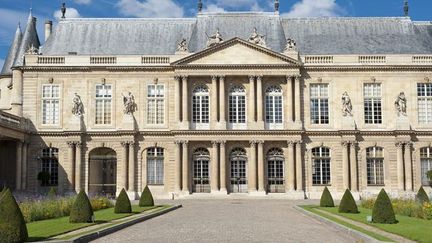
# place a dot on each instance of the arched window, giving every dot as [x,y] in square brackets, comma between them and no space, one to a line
[155,166]
[321,166]
[50,165]
[375,166]
[426,163]
[237,105]
[238,160]
[200,105]
[274,108]
[201,164]
[275,170]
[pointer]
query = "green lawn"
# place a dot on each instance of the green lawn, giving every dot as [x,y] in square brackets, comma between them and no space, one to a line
[45,229]
[412,228]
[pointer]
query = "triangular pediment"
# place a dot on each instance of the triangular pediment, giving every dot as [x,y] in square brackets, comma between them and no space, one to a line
[236,52]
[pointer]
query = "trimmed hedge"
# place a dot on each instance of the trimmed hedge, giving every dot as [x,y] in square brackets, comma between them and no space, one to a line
[382,211]
[12,225]
[123,204]
[326,199]
[146,198]
[348,204]
[422,196]
[81,211]
[52,193]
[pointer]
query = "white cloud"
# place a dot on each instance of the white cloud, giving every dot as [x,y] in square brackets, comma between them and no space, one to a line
[213,8]
[150,8]
[1,63]
[237,3]
[315,8]
[85,2]
[70,13]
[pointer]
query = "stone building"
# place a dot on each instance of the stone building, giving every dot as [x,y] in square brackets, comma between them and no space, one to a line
[219,104]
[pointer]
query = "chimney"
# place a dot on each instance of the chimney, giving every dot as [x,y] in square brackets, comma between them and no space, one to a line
[48,29]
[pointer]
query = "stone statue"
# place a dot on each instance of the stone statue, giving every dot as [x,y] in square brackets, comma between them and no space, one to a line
[291,45]
[346,105]
[78,107]
[182,46]
[32,50]
[214,39]
[401,104]
[129,104]
[256,38]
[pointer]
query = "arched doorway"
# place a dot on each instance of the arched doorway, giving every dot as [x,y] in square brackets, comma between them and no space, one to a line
[238,161]
[102,171]
[275,170]
[201,163]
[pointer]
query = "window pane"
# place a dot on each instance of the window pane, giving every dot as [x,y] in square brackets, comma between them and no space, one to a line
[155,167]
[319,108]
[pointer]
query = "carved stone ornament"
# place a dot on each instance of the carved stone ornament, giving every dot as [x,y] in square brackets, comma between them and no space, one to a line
[214,39]
[346,105]
[257,39]
[129,104]
[32,50]
[291,45]
[401,104]
[182,46]
[78,107]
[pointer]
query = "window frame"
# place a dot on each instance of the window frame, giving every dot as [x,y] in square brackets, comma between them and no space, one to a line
[274,107]
[155,158]
[158,115]
[49,163]
[234,94]
[50,99]
[375,115]
[104,100]
[320,115]
[200,114]
[425,158]
[427,99]
[378,166]
[324,178]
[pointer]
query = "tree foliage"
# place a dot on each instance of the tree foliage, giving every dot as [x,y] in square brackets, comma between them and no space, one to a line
[326,199]
[12,225]
[422,196]
[348,204]
[81,211]
[382,211]
[146,198]
[123,204]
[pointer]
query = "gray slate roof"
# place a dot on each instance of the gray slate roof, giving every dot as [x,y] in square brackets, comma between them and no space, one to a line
[12,53]
[322,35]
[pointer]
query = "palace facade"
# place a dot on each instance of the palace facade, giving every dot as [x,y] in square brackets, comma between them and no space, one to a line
[219,104]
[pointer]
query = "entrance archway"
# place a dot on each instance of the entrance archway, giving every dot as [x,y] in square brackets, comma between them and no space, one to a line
[102,171]
[238,178]
[201,164]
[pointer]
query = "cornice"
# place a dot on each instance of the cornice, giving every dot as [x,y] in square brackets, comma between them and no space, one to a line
[237,66]
[370,68]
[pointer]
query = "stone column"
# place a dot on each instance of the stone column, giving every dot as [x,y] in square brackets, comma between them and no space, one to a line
[214,185]
[185,172]
[297,99]
[178,166]
[213,103]
[408,167]
[132,167]
[24,166]
[71,159]
[289,101]
[17,93]
[222,118]
[18,178]
[185,102]
[124,172]
[289,172]
[222,158]
[177,100]
[345,165]
[261,169]
[78,166]
[400,169]
[260,101]
[252,185]
[353,163]
[251,107]
[299,166]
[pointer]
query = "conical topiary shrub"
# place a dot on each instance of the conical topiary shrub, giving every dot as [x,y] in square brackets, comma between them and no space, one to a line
[12,225]
[81,211]
[52,193]
[123,204]
[348,204]
[146,199]
[326,199]
[382,211]
[422,196]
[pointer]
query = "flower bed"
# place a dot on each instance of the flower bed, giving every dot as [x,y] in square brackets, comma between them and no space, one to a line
[405,207]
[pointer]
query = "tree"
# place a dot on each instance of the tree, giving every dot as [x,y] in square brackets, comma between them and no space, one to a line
[12,225]
[382,211]
[348,204]
[326,199]
[52,192]
[422,196]
[146,198]
[81,211]
[123,204]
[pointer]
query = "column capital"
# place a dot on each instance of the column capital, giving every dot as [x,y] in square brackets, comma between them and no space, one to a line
[259,77]
[409,143]
[177,78]
[299,142]
[70,144]
[184,77]
[345,143]
[221,77]
[252,77]
[222,142]
[131,143]
[252,142]
[78,144]
[399,144]
[291,143]
[124,143]
[297,77]
[260,141]
[215,143]
[214,77]
[178,142]
[185,142]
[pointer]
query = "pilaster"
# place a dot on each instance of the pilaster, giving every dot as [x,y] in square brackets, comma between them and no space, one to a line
[222,98]
[185,168]
[214,185]
[290,172]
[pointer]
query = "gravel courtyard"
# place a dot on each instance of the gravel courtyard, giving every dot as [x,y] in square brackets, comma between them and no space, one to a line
[231,221]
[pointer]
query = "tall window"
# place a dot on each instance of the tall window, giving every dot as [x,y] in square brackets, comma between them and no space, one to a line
[155,104]
[200,105]
[372,104]
[50,104]
[375,166]
[426,163]
[274,108]
[201,164]
[103,104]
[321,166]
[319,104]
[155,166]
[424,96]
[237,105]
[275,170]
[50,166]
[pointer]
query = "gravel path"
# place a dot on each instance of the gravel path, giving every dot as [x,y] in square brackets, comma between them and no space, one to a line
[231,221]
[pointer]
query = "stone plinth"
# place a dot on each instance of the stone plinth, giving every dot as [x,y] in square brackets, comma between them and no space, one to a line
[402,123]
[128,123]
[348,123]
[75,123]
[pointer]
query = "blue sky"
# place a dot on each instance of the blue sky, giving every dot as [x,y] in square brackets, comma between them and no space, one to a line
[14,11]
